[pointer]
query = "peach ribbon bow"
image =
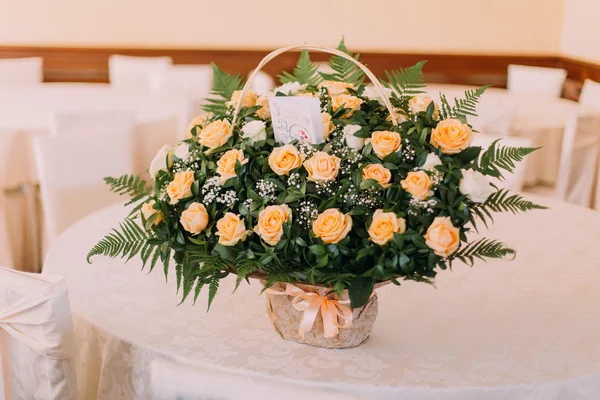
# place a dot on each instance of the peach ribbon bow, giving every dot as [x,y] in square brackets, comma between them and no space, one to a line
[332,311]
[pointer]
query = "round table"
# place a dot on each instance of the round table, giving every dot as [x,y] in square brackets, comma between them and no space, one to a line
[539,118]
[27,111]
[501,330]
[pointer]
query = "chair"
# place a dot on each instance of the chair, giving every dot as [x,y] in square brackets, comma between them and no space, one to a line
[513,181]
[20,72]
[536,80]
[590,93]
[132,73]
[5,245]
[92,122]
[37,341]
[71,169]
[172,380]
[577,172]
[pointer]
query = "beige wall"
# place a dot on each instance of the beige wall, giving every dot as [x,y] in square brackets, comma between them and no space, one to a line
[581,30]
[466,26]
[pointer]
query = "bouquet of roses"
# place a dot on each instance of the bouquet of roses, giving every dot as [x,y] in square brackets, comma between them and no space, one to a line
[389,194]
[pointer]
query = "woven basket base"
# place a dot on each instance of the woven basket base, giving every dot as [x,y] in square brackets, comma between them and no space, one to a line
[286,320]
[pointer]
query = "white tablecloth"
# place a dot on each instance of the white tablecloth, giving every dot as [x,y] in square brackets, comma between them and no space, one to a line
[28,111]
[526,329]
[539,118]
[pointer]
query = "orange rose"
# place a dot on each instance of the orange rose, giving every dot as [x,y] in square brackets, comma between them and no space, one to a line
[181,186]
[332,226]
[195,218]
[264,112]
[231,229]
[248,101]
[215,134]
[381,174]
[419,104]
[452,136]
[352,103]
[384,225]
[322,167]
[270,223]
[335,88]
[284,159]
[148,210]
[328,125]
[385,143]
[442,237]
[418,184]
[226,164]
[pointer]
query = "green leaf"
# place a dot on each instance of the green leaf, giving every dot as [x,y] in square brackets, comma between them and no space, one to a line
[127,241]
[305,72]
[407,82]
[360,291]
[344,70]
[496,158]
[133,186]
[482,249]
[224,85]
[213,286]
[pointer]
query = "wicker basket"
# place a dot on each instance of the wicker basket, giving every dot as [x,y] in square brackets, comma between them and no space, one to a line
[284,308]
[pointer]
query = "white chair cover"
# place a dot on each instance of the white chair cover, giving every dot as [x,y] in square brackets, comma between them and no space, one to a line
[590,93]
[132,73]
[514,181]
[172,380]
[20,72]
[37,342]
[577,173]
[536,80]
[263,83]
[494,115]
[79,122]
[5,245]
[71,169]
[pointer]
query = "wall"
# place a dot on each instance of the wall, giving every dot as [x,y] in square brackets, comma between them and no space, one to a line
[581,30]
[440,26]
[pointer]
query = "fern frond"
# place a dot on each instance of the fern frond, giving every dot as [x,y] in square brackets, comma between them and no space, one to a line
[468,105]
[407,82]
[213,286]
[245,267]
[344,70]
[482,249]
[305,72]
[502,201]
[127,241]
[505,157]
[133,186]
[224,85]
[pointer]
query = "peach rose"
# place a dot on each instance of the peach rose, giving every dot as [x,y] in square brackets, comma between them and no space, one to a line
[195,218]
[248,101]
[452,136]
[215,134]
[284,159]
[346,101]
[181,186]
[264,112]
[332,226]
[385,143]
[384,225]
[306,94]
[148,210]
[322,167]
[270,223]
[400,116]
[226,164]
[381,174]
[328,125]
[335,88]
[419,104]
[231,229]
[442,237]
[418,184]
[196,124]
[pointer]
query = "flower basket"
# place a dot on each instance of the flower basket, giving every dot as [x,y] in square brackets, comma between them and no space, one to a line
[380,185]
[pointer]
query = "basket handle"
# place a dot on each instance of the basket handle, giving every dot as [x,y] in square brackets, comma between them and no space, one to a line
[273,54]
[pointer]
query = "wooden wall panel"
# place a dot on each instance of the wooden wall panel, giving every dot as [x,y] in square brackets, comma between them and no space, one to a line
[71,64]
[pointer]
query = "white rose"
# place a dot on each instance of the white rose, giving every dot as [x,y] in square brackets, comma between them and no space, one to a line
[372,93]
[255,131]
[290,88]
[182,150]
[475,186]
[160,161]
[351,140]
[432,161]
